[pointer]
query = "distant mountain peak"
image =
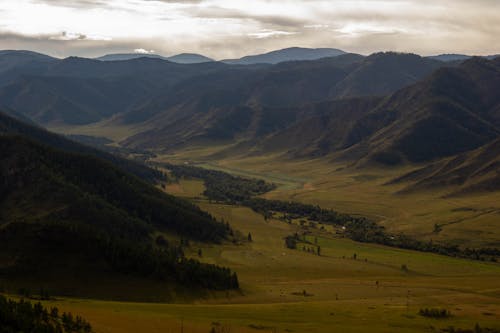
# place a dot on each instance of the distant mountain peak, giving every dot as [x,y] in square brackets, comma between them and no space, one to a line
[287,54]
[189,58]
[182,58]
[128,56]
[26,53]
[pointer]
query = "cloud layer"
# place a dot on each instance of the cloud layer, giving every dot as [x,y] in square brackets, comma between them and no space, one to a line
[233,28]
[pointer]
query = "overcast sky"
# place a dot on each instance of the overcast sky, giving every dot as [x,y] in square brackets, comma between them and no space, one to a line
[233,28]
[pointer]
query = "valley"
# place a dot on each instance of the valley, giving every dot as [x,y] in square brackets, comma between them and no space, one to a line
[342,292]
[315,191]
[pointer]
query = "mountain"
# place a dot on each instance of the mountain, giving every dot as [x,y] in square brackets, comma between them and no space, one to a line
[454,110]
[13,58]
[14,63]
[183,58]
[70,222]
[13,126]
[81,91]
[288,54]
[450,57]
[473,171]
[458,57]
[243,103]
[189,58]
[383,73]
[128,56]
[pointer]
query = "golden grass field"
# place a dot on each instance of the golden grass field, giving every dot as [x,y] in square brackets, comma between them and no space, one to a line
[342,292]
[470,221]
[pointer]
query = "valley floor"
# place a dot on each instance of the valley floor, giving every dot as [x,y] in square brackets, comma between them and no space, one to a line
[295,291]
[283,290]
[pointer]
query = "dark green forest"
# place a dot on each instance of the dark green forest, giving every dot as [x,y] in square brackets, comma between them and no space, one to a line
[61,209]
[23,316]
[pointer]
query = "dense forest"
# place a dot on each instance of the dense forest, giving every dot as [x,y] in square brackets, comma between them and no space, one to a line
[221,186]
[61,209]
[23,316]
[13,126]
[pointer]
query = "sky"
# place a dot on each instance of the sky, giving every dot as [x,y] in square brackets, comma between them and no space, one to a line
[224,29]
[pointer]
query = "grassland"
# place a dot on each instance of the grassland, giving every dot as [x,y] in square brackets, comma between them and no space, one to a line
[371,293]
[470,221]
[368,294]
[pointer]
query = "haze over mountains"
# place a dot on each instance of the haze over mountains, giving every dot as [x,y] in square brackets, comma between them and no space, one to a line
[183,58]
[386,108]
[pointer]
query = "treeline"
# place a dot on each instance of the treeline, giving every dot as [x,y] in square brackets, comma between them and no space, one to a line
[296,210]
[434,313]
[94,190]
[23,316]
[221,186]
[361,229]
[236,190]
[79,215]
[92,249]
[12,126]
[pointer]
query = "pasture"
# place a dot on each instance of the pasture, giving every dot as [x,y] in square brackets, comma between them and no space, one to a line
[286,290]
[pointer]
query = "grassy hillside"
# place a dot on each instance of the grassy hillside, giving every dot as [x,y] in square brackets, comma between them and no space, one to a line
[452,111]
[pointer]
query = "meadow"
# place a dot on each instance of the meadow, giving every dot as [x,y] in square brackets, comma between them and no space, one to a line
[351,287]
[286,290]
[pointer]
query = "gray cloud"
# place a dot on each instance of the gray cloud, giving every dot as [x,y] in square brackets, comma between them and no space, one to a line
[217,12]
[423,26]
[83,4]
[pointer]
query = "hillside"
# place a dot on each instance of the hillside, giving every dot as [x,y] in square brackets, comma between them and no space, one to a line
[12,126]
[451,111]
[81,91]
[473,171]
[14,63]
[383,73]
[261,101]
[78,91]
[71,222]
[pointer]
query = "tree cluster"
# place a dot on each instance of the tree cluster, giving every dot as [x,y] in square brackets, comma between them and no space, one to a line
[23,316]
[434,313]
[89,247]
[221,186]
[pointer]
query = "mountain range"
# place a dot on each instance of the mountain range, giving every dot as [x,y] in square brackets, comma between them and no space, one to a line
[182,58]
[383,109]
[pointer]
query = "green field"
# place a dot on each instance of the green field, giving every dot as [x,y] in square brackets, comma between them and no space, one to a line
[285,290]
[469,221]
[342,292]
